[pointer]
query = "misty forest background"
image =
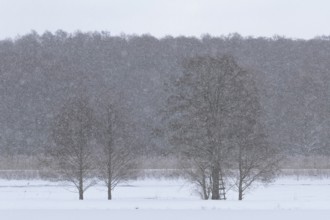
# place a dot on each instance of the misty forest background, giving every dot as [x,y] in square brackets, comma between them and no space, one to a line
[39,73]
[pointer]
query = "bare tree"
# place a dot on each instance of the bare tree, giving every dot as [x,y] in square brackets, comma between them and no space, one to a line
[214,116]
[198,111]
[197,171]
[256,161]
[73,151]
[254,157]
[116,160]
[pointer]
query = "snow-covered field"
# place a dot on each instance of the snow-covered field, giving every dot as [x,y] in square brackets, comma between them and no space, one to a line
[287,198]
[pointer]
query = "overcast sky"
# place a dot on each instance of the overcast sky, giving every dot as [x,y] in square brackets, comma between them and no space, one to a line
[291,18]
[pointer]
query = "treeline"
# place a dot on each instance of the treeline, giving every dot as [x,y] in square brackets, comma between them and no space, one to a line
[39,72]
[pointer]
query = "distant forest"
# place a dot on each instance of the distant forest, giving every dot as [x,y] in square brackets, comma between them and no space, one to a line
[38,73]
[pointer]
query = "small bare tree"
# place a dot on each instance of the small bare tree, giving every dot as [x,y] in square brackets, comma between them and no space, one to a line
[198,172]
[116,160]
[256,161]
[73,152]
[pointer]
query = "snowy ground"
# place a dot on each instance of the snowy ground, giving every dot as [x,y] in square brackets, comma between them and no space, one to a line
[287,198]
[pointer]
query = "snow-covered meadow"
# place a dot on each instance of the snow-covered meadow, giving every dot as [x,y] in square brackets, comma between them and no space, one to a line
[287,198]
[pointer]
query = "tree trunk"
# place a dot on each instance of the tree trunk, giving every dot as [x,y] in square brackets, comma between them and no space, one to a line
[240,170]
[204,186]
[81,194]
[109,171]
[215,183]
[81,186]
[109,191]
[240,190]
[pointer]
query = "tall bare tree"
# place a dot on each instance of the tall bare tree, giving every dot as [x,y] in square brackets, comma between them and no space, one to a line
[199,110]
[212,111]
[73,150]
[116,160]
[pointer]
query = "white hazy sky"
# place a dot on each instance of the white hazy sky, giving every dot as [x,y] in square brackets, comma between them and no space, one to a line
[291,18]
